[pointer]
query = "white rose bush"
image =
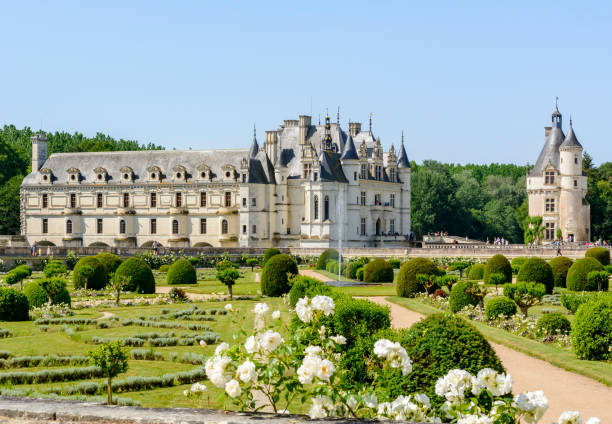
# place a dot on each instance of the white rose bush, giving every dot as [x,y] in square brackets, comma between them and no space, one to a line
[272,370]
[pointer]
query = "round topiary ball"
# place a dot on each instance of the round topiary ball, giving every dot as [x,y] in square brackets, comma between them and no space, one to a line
[378,271]
[592,331]
[181,272]
[36,294]
[476,272]
[272,251]
[406,283]
[560,265]
[62,297]
[96,281]
[498,264]
[142,279]
[327,255]
[538,270]
[500,306]
[459,298]
[274,279]
[13,305]
[602,254]
[553,324]
[517,263]
[577,274]
[111,262]
[352,267]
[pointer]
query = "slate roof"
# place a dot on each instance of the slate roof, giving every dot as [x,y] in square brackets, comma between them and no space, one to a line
[550,152]
[349,152]
[570,139]
[402,161]
[331,168]
[254,148]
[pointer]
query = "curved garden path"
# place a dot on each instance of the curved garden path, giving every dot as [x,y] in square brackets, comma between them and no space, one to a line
[565,390]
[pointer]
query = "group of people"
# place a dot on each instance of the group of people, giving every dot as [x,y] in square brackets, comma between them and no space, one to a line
[498,241]
[37,251]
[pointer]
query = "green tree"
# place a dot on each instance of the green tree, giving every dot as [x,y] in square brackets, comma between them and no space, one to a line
[113,360]
[496,278]
[228,276]
[598,279]
[460,266]
[525,294]
[117,283]
[86,272]
[252,262]
[534,231]
[53,286]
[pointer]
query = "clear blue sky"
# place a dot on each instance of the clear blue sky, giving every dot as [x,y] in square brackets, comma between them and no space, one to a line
[475,83]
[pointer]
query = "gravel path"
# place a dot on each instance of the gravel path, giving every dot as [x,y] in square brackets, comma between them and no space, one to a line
[314,274]
[565,390]
[106,315]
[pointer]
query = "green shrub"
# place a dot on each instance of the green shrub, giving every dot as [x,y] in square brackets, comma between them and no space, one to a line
[63,296]
[141,276]
[476,272]
[272,251]
[378,271]
[332,266]
[352,267]
[525,293]
[602,254]
[501,306]
[176,294]
[326,256]
[459,298]
[553,324]
[359,273]
[577,274]
[13,305]
[54,268]
[18,274]
[302,286]
[274,279]
[356,318]
[96,281]
[36,294]
[395,263]
[71,259]
[538,270]
[560,265]
[592,331]
[164,268]
[181,272]
[599,280]
[111,262]
[194,260]
[406,281]
[517,263]
[498,263]
[608,269]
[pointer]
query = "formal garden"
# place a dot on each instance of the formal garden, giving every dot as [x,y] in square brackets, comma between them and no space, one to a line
[252,333]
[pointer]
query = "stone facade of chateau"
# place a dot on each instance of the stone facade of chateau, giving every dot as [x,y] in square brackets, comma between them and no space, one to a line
[307,186]
[556,186]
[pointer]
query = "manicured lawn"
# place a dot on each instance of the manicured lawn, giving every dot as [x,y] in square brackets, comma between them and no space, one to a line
[363,291]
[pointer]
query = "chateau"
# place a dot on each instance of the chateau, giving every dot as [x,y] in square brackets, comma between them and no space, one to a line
[307,186]
[556,186]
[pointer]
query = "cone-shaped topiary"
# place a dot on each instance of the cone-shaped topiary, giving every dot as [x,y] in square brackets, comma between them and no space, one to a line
[141,276]
[500,264]
[459,298]
[272,251]
[577,274]
[560,265]
[476,272]
[378,271]
[181,272]
[327,255]
[98,278]
[406,283]
[500,306]
[36,294]
[276,274]
[538,270]
[602,254]
[13,305]
[592,330]
[111,262]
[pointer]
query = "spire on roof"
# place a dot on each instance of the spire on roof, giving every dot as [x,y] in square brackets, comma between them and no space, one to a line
[338,116]
[570,140]
[327,143]
[349,152]
[403,161]
[254,147]
[371,113]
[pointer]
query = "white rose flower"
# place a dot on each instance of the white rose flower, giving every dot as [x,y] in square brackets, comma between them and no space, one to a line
[532,404]
[197,387]
[232,388]
[215,370]
[322,331]
[352,402]
[203,343]
[370,400]
[247,372]
[498,384]
[453,385]
[475,419]
[221,348]
[341,340]
[382,347]
[320,407]
[570,417]
[251,344]
[325,370]
[324,304]
[276,315]
[308,369]
[593,420]
[270,340]
[261,309]
[303,310]
[313,350]
[423,399]
[228,307]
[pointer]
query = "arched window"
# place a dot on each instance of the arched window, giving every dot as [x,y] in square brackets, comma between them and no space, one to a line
[326,208]
[224,228]
[175,227]
[69,226]
[122,227]
[316,207]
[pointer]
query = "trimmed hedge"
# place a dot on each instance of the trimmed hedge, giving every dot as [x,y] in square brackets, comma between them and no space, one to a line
[602,254]
[302,286]
[476,272]
[359,274]
[164,268]
[395,263]
[500,264]
[111,262]
[459,299]
[357,318]
[592,331]
[36,294]
[13,305]
[538,270]
[62,297]
[272,251]
[326,256]
[142,279]
[406,282]
[378,271]
[560,265]
[97,281]
[577,274]
[553,324]
[274,280]
[352,267]
[54,268]
[181,272]
[500,306]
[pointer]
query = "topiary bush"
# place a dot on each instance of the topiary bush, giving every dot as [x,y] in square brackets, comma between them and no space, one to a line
[500,306]
[302,286]
[500,264]
[141,275]
[164,268]
[560,265]
[459,298]
[577,274]
[517,263]
[13,305]
[395,263]
[476,272]
[327,255]
[181,272]
[36,294]
[63,296]
[406,283]
[98,279]
[553,324]
[111,262]
[274,279]
[352,267]
[359,274]
[592,330]
[378,271]
[272,251]
[538,270]
[54,268]
[357,318]
[602,254]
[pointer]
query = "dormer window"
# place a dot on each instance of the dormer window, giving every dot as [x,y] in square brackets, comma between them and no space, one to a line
[74,175]
[46,176]
[204,172]
[549,177]
[180,173]
[127,174]
[154,173]
[100,175]
[229,172]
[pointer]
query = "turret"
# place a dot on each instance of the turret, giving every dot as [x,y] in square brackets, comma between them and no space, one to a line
[350,162]
[571,154]
[254,146]
[39,151]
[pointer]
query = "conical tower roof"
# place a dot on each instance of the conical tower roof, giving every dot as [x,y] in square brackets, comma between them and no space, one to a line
[402,161]
[349,152]
[570,139]
[254,147]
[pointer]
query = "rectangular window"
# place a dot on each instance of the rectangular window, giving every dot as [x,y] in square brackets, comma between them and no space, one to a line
[364,171]
[363,198]
[228,199]
[392,226]
[316,176]
[126,200]
[550,205]
[203,226]
[153,200]
[549,177]
[575,183]
[45,200]
[99,200]
[392,200]
[45,225]
[377,199]
[306,171]
[392,175]
[254,229]
[244,202]
[72,200]
[363,227]
[203,199]
[575,161]
[550,231]
[354,176]
[253,202]
[99,228]
[179,200]
[244,178]
[379,172]
[244,227]
[153,226]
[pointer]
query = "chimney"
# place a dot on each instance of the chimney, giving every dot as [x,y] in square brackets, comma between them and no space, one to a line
[305,121]
[354,128]
[271,145]
[39,151]
[546,132]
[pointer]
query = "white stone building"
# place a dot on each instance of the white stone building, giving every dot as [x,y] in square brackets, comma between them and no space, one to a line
[556,186]
[308,186]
